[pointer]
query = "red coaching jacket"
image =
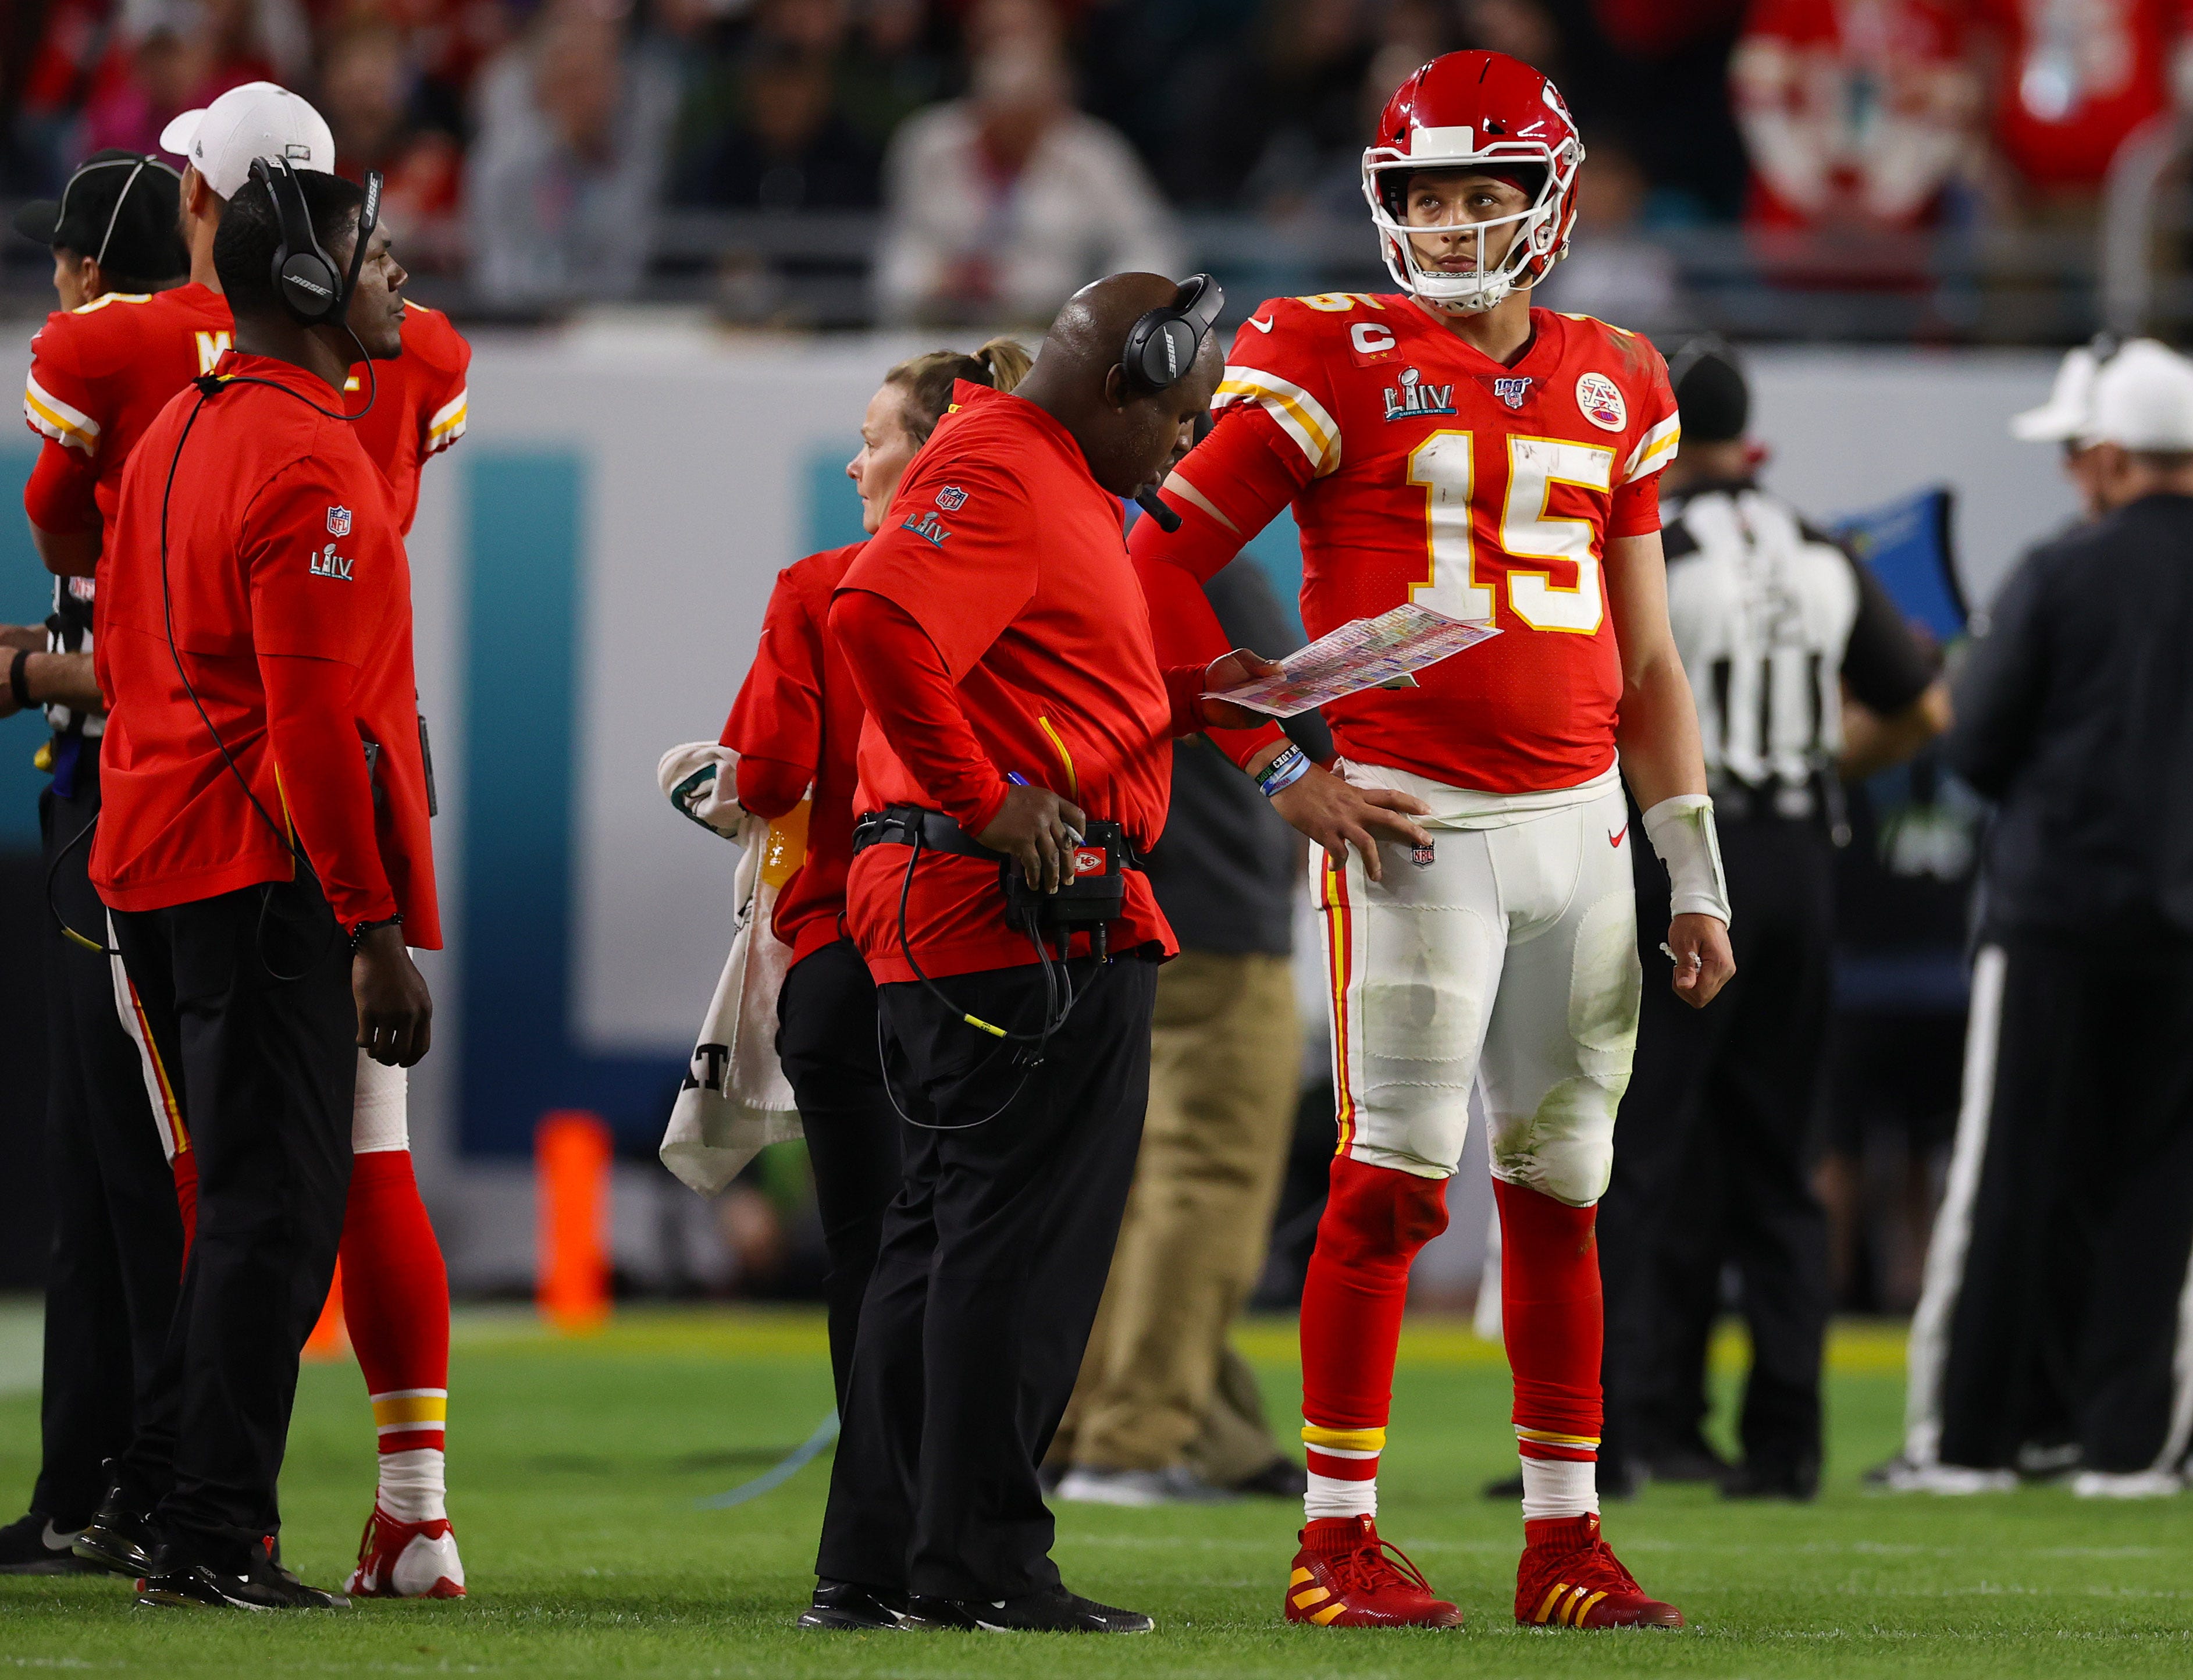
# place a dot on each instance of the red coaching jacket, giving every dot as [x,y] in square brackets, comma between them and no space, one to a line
[797,721]
[996,628]
[292,616]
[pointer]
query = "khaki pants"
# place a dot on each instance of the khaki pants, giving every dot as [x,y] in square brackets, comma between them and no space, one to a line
[1159,1385]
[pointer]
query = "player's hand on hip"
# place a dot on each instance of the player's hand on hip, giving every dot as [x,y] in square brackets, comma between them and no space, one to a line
[395,1013]
[1236,668]
[1039,829]
[1336,815]
[1703,962]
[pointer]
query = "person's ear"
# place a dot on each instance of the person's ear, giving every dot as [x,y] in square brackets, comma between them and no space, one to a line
[1115,387]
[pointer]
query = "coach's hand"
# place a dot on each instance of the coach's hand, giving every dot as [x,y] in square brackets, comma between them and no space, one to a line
[1703,962]
[23,637]
[395,1015]
[1336,816]
[1040,829]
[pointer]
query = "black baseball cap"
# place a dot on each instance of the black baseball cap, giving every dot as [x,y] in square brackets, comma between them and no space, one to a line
[1711,393]
[119,207]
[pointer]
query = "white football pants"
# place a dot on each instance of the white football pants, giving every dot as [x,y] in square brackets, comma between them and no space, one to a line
[380,1112]
[1508,955]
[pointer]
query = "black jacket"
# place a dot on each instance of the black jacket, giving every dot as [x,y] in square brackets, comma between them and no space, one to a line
[2075,711]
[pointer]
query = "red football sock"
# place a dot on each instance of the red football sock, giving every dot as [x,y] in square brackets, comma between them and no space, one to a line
[1376,1220]
[396,1301]
[1550,1307]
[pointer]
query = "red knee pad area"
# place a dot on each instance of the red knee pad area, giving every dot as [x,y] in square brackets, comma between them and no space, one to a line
[1375,1221]
[1377,1218]
[1550,1309]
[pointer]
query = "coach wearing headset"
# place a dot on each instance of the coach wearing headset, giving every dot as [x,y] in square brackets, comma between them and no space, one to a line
[264,844]
[998,637]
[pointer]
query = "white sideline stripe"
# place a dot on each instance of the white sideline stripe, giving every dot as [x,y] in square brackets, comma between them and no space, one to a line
[1953,1227]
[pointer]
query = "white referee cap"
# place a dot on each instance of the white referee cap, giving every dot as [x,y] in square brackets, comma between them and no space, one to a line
[256,120]
[2066,416]
[2144,399]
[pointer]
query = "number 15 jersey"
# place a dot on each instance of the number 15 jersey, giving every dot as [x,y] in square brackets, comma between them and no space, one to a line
[1421,470]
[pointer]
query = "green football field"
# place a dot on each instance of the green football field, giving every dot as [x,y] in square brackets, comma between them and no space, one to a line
[577,1467]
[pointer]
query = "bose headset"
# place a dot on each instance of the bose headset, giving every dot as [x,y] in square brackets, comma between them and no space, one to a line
[314,292]
[1161,350]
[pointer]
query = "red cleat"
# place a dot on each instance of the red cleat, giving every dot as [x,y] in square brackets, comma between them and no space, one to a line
[1571,1578]
[407,1559]
[1345,1576]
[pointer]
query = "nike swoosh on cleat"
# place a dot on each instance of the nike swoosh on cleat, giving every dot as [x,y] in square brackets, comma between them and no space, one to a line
[53,1540]
[1615,839]
[1261,326]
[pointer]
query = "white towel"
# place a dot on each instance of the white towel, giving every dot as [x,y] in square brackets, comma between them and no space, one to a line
[735,1100]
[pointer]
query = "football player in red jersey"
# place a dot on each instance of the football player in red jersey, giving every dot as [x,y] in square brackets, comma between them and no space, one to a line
[98,376]
[1452,446]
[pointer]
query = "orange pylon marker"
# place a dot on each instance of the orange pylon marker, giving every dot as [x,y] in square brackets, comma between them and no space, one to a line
[571,1154]
[330,1337]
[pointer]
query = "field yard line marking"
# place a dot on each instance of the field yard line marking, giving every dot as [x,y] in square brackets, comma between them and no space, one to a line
[796,1460]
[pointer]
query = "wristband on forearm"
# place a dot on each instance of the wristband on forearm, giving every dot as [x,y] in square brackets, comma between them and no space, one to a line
[362,929]
[1681,830]
[1284,771]
[19,680]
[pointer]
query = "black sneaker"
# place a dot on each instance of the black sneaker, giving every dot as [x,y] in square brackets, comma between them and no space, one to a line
[1690,1459]
[1281,1479]
[121,1535]
[174,1582]
[847,1607]
[1800,1482]
[31,1546]
[1055,1611]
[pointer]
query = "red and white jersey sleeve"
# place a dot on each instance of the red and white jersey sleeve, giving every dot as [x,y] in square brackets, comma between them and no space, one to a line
[1427,472]
[99,375]
[419,404]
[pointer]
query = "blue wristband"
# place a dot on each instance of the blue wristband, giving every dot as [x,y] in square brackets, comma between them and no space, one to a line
[1284,771]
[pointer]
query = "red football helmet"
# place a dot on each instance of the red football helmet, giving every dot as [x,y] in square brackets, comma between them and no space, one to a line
[1482,111]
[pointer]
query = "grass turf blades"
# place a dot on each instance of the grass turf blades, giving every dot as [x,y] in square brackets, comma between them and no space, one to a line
[576,1466]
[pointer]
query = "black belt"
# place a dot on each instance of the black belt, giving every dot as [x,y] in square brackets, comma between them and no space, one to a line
[900,823]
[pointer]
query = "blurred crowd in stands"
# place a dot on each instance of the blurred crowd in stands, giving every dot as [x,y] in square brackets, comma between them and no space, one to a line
[1012,148]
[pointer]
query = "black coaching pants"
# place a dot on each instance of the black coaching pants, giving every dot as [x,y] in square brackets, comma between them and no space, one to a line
[265,1068]
[993,1258]
[2060,1260]
[117,1239]
[1713,1150]
[826,1041]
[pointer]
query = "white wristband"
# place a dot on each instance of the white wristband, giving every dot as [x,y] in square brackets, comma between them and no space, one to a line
[1681,830]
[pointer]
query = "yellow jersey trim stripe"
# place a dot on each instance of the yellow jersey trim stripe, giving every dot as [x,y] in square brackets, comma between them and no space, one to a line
[49,415]
[448,423]
[1300,415]
[1655,444]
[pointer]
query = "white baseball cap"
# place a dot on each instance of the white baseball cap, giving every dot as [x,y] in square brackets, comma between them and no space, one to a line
[2067,416]
[256,120]
[2144,399]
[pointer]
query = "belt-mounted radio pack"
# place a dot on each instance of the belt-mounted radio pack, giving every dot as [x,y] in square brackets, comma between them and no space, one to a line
[1094,898]
[1097,894]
